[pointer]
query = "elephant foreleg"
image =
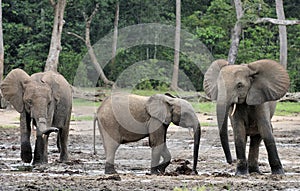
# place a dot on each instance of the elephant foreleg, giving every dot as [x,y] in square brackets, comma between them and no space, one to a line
[25,128]
[273,157]
[41,150]
[253,154]
[265,129]
[157,141]
[240,147]
[166,159]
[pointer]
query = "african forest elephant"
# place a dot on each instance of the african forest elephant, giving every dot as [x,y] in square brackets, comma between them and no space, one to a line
[248,92]
[124,118]
[45,99]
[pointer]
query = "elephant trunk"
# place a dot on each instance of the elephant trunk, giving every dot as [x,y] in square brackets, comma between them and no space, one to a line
[222,117]
[197,135]
[42,127]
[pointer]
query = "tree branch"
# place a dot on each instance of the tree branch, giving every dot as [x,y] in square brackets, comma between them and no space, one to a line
[277,21]
[93,13]
[76,35]
[53,4]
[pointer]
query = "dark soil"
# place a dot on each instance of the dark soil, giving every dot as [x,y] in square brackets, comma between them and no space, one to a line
[85,171]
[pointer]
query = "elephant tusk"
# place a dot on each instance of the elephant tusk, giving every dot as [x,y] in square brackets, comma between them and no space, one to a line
[191,134]
[233,111]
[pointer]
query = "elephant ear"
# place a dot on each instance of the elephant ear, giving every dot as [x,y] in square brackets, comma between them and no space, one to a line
[12,88]
[270,82]
[52,79]
[159,107]
[210,78]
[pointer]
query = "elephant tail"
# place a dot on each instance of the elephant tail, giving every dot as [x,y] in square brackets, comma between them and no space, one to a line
[94,133]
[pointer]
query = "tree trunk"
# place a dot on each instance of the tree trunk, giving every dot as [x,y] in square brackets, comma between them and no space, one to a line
[235,36]
[282,34]
[1,45]
[174,84]
[115,37]
[91,52]
[55,45]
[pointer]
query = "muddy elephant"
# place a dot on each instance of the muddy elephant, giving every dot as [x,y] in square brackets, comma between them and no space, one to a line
[247,92]
[45,99]
[124,118]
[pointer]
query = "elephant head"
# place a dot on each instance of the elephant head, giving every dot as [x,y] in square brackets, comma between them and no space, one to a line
[33,95]
[251,84]
[167,109]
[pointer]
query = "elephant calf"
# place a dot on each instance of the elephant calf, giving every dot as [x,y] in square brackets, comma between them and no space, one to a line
[124,118]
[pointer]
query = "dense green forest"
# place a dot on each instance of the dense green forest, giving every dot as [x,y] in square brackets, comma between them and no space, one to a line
[27,27]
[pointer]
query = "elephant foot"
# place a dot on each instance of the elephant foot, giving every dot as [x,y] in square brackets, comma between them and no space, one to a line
[110,169]
[38,162]
[155,171]
[241,171]
[254,170]
[64,158]
[278,170]
[26,152]
[162,167]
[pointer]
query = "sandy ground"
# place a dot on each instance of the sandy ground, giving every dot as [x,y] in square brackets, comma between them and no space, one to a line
[85,171]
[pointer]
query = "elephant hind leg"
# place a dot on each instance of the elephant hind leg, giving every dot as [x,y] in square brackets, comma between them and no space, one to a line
[110,148]
[62,144]
[253,154]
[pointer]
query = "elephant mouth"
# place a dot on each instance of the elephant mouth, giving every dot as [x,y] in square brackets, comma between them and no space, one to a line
[50,130]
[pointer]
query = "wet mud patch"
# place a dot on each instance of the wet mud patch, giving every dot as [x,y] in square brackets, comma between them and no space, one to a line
[85,171]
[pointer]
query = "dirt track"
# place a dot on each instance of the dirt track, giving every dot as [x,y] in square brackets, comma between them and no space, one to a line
[85,170]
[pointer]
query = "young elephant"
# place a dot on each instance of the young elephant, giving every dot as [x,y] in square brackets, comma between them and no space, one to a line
[44,98]
[124,118]
[248,92]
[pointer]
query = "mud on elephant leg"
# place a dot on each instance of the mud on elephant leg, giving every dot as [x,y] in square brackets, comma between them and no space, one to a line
[240,146]
[41,150]
[253,154]
[25,128]
[110,151]
[274,161]
[62,136]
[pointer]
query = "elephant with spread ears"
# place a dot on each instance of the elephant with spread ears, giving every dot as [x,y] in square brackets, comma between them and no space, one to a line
[124,118]
[247,93]
[44,100]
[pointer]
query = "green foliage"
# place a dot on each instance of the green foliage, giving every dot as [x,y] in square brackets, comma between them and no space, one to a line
[26,40]
[287,108]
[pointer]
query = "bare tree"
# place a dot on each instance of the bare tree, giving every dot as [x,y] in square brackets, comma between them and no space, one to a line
[235,36]
[174,84]
[1,45]
[55,45]
[282,34]
[87,41]
[115,37]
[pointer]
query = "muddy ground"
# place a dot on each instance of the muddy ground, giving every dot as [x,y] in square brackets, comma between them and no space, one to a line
[85,171]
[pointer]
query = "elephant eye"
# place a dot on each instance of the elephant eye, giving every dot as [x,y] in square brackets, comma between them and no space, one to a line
[29,102]
[240,85]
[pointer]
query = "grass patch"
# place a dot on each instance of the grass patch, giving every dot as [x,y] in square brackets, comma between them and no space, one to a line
[204,107]
[208,124]
[8,126]
[82,118]
[83,102]
[287,108]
